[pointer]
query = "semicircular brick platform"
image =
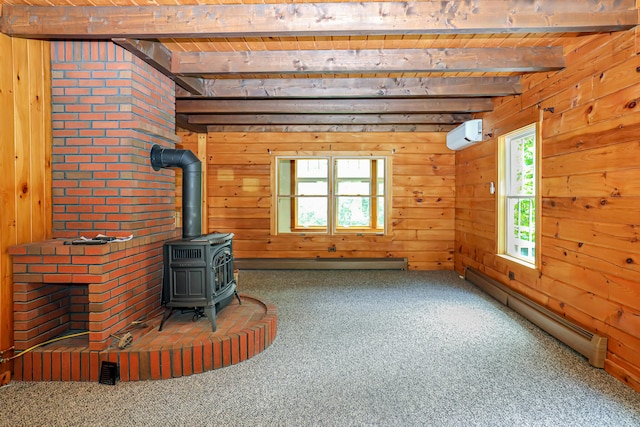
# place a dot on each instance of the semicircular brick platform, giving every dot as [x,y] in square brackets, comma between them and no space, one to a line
[183,347]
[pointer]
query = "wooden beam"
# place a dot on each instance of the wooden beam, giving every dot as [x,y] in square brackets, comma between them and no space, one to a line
[159,57]
[193,85]
[511,59]
[182,122]
[318,19]
[335,106]
[326,119]
[331,128]
[182,93]
[360,87]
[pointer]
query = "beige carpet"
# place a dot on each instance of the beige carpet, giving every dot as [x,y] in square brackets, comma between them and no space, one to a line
[360,348]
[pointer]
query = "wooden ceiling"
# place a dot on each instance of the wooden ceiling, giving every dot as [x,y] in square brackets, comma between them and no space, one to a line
[331,66]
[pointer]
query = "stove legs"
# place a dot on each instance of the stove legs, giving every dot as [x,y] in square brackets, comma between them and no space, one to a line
[166,315]
[211,315]
[209,312]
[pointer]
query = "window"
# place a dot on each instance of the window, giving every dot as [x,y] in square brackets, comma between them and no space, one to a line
[331,194]
[517,203]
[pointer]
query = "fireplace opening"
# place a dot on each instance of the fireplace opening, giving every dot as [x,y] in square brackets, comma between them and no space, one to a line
[54,310]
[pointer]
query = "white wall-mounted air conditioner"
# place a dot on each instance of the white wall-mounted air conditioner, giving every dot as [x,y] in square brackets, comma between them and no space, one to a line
[468,133]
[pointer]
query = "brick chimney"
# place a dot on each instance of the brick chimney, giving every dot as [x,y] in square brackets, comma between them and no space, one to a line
[109,109]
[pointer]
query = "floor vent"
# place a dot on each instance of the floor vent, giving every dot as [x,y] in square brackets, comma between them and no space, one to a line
[109,373]
[593,347]
[321,264]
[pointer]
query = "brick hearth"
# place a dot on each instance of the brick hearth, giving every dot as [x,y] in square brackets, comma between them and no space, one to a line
[182,348]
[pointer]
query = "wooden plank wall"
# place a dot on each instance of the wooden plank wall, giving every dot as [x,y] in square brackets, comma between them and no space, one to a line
[25,159]
[423,188]
[590,228]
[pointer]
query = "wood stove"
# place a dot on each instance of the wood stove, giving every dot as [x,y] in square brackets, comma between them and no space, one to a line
[198,269]
[198,275]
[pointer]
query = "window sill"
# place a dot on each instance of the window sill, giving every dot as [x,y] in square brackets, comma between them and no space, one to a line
[358,233]
[518,261]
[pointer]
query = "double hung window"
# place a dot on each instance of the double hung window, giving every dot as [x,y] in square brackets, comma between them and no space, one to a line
[331,194]
[517,206]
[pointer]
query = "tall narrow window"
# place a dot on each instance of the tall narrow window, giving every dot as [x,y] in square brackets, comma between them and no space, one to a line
[331,195]
[517,210]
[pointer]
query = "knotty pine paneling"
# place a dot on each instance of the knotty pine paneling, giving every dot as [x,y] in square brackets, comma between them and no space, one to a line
[238,181]
[590,195]
[25,159]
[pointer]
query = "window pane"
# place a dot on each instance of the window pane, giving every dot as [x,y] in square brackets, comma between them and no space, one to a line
[354,188]
[285,168]
[311,211]
[521,228]
[310,188]
[353,168]
[380,167]
[284,215]
[312,168]
[522,166]
[353,212]
[380,216]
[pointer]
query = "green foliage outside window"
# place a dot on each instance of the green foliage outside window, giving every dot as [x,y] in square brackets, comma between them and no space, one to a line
[524,210]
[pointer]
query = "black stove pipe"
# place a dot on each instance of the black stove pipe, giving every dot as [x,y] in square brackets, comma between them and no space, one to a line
[191,185]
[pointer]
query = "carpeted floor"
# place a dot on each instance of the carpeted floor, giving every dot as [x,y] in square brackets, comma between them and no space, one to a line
[360,348]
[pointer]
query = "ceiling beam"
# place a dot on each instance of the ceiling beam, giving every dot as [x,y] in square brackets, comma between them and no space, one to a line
[159,57]
[512,59]
[361,87]
[326,119]
[318,19]
[330,128]
[182,121]
[334,106]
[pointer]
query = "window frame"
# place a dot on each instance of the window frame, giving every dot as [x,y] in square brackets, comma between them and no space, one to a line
[332,227]
[503,215]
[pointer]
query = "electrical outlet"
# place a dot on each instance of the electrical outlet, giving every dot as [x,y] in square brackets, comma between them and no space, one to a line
[512,276]
[331,249]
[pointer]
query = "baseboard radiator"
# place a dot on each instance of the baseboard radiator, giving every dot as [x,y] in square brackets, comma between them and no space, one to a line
[591,346]
[321,263]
